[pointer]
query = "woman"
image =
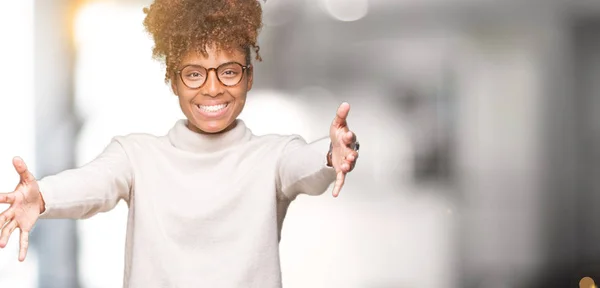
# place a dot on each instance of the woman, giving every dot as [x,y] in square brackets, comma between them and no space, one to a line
[207,200]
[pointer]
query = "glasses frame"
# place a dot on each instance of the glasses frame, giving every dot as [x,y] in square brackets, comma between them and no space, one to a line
[244,69]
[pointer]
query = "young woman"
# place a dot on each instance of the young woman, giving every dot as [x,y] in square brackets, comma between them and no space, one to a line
[206,200]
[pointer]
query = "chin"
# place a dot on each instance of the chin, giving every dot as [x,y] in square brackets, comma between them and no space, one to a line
[212,119]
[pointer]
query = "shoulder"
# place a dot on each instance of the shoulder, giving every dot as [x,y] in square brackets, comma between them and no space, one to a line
[280,140]
[138,140]
[280,145]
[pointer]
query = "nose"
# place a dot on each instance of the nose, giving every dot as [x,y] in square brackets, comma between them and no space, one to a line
[212,87]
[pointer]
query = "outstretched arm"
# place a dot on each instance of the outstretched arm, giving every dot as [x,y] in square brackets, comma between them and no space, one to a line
[93,188]
[77,193]
[309,169]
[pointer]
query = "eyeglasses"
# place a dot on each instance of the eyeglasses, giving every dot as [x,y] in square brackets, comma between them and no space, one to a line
[229,74]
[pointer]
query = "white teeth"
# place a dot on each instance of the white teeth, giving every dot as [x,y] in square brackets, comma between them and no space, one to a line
[213,108]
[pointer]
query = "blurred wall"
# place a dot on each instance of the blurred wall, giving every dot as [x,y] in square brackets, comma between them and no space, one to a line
[56,127]
[17,125]
[477,121]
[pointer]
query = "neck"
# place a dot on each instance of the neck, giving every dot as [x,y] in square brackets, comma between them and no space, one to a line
[187,137]
[193,127]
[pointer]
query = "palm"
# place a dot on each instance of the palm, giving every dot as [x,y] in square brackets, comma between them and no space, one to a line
[25,203]
[343,154]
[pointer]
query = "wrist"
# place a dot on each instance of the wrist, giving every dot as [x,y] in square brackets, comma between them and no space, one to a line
[42,204]
[329,160]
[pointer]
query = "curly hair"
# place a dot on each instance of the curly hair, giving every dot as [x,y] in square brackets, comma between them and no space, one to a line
[178,26]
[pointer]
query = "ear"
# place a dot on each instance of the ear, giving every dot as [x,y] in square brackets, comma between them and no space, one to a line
[250,75]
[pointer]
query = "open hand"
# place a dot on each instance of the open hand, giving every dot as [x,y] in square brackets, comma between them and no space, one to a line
[26,204]
[344,147]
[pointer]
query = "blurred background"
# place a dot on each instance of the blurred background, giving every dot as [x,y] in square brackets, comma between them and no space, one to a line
[479,123]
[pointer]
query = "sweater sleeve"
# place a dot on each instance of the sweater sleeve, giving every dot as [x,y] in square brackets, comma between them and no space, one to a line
[93,188]
[302,169]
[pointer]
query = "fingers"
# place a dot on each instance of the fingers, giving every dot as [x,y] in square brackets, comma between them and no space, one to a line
[21,168]
[23,245]
[6,216]
[349,138]
[341,115]
[345,167]
[349,161]
[339,183]
[352,156]
[7,198]
[6,231]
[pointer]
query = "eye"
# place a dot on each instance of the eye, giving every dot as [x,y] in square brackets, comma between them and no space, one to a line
[229,73]
[194,75]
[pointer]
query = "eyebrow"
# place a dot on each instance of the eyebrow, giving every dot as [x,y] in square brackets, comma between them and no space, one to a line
[195,64]
[224,63]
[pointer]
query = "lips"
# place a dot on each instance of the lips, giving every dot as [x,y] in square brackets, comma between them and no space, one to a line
[213,108]
[212,111]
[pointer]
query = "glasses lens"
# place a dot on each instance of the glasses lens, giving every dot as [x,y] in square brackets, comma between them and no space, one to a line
[193,76]
[230,74]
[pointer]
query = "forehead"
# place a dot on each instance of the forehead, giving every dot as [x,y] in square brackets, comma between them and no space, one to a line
[214,57]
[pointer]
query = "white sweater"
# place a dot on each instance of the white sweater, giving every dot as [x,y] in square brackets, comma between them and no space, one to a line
[204,210]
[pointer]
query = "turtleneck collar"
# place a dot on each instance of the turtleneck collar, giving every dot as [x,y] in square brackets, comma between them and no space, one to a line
[183,138]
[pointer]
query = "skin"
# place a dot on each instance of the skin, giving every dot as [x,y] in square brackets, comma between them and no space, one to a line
[26,202]
[212,92]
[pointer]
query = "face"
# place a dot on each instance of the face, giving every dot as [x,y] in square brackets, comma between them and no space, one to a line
[214,107]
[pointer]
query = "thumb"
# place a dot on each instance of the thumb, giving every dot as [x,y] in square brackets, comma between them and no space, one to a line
[21,167]
[341,115]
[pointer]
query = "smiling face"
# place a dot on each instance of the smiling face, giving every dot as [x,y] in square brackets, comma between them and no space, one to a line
[213,107]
